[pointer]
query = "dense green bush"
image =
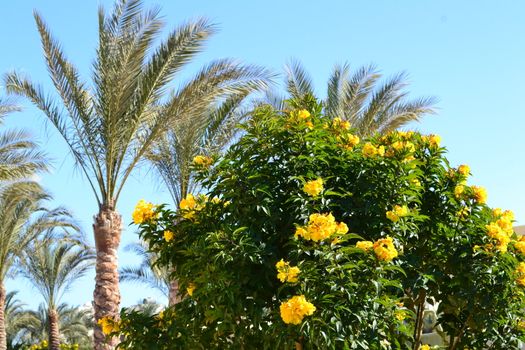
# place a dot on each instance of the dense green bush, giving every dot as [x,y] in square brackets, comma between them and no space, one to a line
[310,237]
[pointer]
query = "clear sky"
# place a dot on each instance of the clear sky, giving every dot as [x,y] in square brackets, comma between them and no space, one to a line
[469,54]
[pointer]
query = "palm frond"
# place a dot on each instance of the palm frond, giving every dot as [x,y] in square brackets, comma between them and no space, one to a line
[298,82]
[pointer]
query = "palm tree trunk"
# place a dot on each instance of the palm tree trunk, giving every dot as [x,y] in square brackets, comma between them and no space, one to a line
[54,333]
[173,296]
[3,336]
[107,229]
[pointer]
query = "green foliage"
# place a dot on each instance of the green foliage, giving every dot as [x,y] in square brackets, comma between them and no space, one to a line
[428,231]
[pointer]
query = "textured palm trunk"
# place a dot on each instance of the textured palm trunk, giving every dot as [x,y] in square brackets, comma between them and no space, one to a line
[173,297]
[3,337]
[54,333]
[106,297]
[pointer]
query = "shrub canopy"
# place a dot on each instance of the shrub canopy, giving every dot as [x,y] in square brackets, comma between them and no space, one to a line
[311,237]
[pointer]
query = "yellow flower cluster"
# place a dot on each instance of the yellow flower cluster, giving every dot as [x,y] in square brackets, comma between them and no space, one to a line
[190,205]
[397,212]
[365,245]
[464,169]
[480,194]
[424,347]
[459,190]
[501,230]
[521,274]
[108,325]
[369,150]
[384,249]
[321,227]
[400,315]
[168,235]
[314,187]
[287,273]
[433,140]
[302,114]
[338,123]
[202,161]
[295,309]
[144,211]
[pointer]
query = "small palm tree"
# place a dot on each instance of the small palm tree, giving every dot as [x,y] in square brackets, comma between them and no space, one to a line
[359,97]
[75,325]
[17,318]
[206,134]
[22,219]
[111,124]
[52,266]
[147,273]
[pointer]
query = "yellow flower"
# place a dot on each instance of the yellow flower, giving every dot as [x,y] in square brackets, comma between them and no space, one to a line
[520,246]
[397,212]
[314,187]
[309,125]
[301,232]
[190,289]
[385,250]
[364,245]
[424,347]
[287,273]
[303,114]
[341,228]
[202,161]
[143,212]
[381,151]
[369,150]
[188,203]
[108,325]
[295,309]
[464,169]
[458,191]
[400,315]
[497,212]
[353,140]
[521,268]
[434,140]
[339,123]
[168,235]
[415,182]
[480,194]
[463,212]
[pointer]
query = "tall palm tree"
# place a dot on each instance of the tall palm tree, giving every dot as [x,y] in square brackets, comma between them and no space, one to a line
[360,97]
[52,266]
[111,124]
[147,272]
[22,219]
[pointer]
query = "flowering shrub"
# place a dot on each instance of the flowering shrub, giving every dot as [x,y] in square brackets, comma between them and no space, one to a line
[311,237]
[43,345]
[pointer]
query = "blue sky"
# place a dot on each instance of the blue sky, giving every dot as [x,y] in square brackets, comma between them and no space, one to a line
[469,54]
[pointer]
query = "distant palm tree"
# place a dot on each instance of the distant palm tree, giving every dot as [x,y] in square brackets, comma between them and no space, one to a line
[19,154]
[22,219]
[147,273]
[75,325]
[360,97]
[111,124]
[52,266]
[17,318]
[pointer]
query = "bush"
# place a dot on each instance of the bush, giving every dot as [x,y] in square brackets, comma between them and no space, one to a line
[311,237]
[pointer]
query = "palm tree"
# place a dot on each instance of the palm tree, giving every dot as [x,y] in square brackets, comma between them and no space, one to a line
[359,97]
[17,318]
[111,124]
[75,325]
[19,154]
[22,219]
[172,156]
[148,273]
[52,266]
